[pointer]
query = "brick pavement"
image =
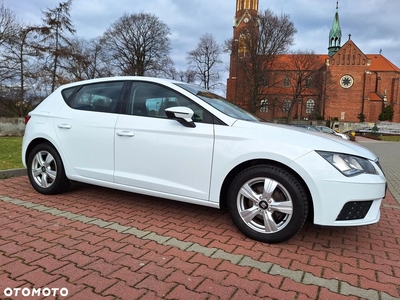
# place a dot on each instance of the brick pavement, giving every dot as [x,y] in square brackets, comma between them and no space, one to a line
[106,244]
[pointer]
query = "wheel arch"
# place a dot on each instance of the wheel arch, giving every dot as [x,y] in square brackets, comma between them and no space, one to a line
[35,142]
[256,162]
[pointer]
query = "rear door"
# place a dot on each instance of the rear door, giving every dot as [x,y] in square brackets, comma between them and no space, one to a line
[85,129]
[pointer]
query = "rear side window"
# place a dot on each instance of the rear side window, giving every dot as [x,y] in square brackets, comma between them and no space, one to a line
[101,97]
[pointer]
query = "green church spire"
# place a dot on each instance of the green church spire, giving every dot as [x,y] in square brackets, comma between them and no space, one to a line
[335,34]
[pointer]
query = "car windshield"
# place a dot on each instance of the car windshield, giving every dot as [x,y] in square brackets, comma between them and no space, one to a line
[219,103]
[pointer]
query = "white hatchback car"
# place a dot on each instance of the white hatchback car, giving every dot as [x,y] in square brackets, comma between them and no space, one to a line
[173,140]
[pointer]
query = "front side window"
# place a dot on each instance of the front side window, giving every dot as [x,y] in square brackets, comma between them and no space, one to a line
[218,102]
[151,100]
[101,97]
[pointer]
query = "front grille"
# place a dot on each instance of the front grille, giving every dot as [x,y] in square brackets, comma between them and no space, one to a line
[354,210]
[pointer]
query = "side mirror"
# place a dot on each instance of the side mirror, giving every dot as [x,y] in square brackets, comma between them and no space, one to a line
[182,114]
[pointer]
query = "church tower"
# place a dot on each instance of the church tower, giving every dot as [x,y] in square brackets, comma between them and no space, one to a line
[335,34]
[245,23]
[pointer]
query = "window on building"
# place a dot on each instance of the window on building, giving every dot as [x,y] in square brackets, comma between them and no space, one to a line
[308,81]
[286,81]
[264,105]
[286,106]
[310,106]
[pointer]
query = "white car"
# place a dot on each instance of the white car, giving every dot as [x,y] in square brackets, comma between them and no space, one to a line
[331,131]
[173,140]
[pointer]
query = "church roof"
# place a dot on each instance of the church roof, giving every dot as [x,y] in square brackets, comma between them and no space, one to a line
[381,63]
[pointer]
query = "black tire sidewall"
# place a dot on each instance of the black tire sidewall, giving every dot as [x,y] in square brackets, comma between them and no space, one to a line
[294,188]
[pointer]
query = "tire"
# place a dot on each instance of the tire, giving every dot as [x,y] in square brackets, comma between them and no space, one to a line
[46,170]
[267,203]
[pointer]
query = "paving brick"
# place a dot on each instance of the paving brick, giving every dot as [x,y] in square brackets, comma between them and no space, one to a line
[89,294]
[29,255]
[190,282]
[12,248]
[107,254]
[79,258]
[251,287]
[350,278]
[213,288]
[127,275]
[178,264]
[38,277]
[241,271]
[268,292]
[159,287]
[205,272]
[58,251]
[7,282]
[92,238]
[87,248]
[290,285]
[242,295]
[272,280]
[390,288]
[97,282]
[367,273]
[327,294]
[124,291]
[72,288]
[181,292]
[5,259]
[159,272]
[111,244]
[204,260]
[131,262]
[71,271]
[17,268]
[159,259]
[103,267]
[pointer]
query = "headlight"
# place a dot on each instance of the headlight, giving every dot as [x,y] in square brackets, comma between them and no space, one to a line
[348,165]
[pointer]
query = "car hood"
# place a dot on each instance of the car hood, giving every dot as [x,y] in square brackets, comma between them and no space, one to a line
[307,139]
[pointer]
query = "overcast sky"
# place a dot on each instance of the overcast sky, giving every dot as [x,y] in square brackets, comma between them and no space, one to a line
[373,24]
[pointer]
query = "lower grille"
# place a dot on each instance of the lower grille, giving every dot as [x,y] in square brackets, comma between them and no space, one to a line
[354,210]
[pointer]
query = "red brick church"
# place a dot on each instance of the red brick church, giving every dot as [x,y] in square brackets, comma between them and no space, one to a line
[351,84]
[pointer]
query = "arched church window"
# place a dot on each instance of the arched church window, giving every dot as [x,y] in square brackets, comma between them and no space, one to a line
[264,105]
[286,81]
[310,106]
[286,106]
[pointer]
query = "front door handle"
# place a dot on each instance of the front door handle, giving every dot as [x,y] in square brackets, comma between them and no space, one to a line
[64,126]
[125,133]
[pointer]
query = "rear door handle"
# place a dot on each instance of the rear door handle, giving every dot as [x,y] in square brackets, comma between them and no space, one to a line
[64,126]
[125,133]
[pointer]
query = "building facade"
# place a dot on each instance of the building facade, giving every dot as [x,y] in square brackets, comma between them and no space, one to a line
[344,84]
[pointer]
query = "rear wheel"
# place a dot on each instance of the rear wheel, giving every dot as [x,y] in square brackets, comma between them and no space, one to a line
[267,203]
[46,170]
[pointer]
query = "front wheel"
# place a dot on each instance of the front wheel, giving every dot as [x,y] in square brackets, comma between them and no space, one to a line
[46,170]
[267,203]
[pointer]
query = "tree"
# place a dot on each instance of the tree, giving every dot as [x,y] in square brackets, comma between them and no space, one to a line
[257,51]
[205,60]
[138,44]
[386,114]
[303,75]
[55,41]
[9,28]
[87,60]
